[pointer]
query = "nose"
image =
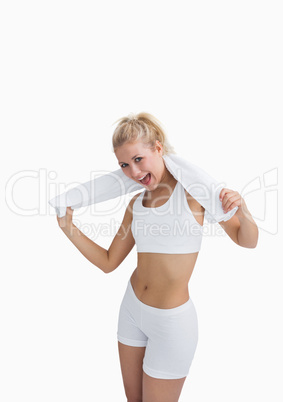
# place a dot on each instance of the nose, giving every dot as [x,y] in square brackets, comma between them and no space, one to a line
[135,172]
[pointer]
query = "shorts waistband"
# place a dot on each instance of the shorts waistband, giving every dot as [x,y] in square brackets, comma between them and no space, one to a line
[159,311]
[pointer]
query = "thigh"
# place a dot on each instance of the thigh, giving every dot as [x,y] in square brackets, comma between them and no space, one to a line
[129,329]
[172,342]
[161,390]
[131,361]
[131,344]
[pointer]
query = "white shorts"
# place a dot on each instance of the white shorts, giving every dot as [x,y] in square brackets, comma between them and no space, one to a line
[170,335]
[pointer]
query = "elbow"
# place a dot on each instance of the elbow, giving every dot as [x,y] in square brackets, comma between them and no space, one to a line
[111,264]
[109,267]
[253,246]
[249,245]
[107,270]
[105,266]
[250,241]
[102,268]
[255,240]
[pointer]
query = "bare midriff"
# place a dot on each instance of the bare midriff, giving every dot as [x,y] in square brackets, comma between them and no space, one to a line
[161,280]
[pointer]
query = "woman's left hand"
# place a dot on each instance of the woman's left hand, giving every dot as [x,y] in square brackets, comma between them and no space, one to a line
[231,199]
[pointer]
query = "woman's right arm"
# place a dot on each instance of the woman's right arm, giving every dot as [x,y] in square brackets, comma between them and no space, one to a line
[106,260]
[124,241]
[93,252]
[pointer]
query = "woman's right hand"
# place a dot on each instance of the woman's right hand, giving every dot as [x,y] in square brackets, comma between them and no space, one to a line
[66,221]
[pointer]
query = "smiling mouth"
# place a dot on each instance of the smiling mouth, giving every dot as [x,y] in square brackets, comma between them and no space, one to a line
[146,179]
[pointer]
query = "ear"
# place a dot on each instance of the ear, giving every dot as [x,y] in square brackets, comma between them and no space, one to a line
[159,146]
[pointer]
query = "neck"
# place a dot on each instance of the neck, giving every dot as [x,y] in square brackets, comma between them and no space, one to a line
[167,181]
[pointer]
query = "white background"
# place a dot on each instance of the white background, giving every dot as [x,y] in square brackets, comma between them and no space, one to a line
[211,72]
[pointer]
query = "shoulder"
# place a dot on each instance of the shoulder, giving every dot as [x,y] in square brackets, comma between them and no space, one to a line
[133,199]
[129,209]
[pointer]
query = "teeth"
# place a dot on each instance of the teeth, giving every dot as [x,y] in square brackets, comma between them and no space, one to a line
[142,177]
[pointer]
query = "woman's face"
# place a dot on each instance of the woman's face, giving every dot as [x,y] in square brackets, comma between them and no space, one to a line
[138,161]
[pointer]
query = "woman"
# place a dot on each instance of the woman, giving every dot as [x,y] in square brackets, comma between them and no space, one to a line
[157,327]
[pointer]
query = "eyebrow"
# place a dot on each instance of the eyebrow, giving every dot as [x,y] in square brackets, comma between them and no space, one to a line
[132,158]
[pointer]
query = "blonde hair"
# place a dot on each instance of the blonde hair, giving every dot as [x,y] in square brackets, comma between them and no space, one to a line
[142,127]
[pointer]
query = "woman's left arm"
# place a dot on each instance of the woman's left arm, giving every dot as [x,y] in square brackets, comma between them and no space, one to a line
[244,228]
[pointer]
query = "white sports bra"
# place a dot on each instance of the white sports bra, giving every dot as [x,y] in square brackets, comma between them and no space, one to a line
[168,229]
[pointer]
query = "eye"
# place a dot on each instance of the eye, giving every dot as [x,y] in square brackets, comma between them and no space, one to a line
[126,163]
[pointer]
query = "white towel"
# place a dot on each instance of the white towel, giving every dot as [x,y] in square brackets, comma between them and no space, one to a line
[198,183]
